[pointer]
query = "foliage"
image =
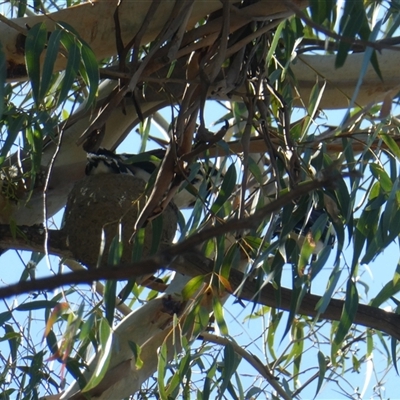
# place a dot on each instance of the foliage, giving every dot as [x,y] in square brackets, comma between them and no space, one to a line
[267,141]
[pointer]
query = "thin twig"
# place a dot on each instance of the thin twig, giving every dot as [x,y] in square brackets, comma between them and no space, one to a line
[262,369]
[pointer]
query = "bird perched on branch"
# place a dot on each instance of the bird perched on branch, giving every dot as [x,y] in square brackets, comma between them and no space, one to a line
[316,220]
[144,166]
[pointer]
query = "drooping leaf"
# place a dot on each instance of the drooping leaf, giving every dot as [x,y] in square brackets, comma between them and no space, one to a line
[5,316]
[382,177]
[161,370]
[52,50]
[106,339]
[230,365]
[192,287]
[110,291]
[219,316]
[89,72]
[35,139]
[226,188]
[313,107]
[14,129]
[348,312]
[352,23]
[116,248]
[58,310]
[322,371]
[14,340]
[136,350]
[37,305]
[331,286]
[21,8]
[390,289]
[391,144]
[157,230]
[34,46]
[73,62]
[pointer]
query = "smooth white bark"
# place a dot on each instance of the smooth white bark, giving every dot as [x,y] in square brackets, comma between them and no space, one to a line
[341,82]
[94,21]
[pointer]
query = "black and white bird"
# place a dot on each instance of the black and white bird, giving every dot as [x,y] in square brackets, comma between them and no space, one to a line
[143,166]
[316,218]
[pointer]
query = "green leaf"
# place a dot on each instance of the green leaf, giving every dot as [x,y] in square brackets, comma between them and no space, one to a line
[326,298]
[313,107]
[116,249]
[369,54]
[319,263]
[348,312]
[273,329]
[136,350]
[87,326]
[226,189]
[219,316]
[4,317]
[144,132]
[21,8]
[201,319]
[37,305]
[255,171]
[230,365]
[392,207]
[253,393]
[393,348]
[157,230]
[126,290]
[90,73]
[13,130]
[275,41]
[382,177]
[73,367]
[53,47]
[110,291]
[322,371]
[35,139]
[71,70]
[192,287]
[161,370]
[51,340]
[298,347]
[290,219]
[306,251]
[388,291]
[391,144]
[14,340]
[351,23]
[322,11]
[137,248]
[106,339]
[358,244]
[34,46]
[207,382]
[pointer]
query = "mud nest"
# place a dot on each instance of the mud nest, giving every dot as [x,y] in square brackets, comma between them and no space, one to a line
[103,202]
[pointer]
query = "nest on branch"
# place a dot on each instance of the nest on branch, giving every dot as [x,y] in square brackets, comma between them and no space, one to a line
[100,206]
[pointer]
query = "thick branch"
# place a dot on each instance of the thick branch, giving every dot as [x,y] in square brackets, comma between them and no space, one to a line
[95,24]
[194,265]
[32,238]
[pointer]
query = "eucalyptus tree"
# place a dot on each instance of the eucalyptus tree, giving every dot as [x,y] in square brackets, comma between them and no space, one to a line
[289,199]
